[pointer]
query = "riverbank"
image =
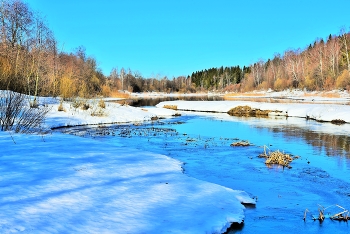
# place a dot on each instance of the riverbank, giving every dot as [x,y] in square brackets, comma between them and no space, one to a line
[318,112]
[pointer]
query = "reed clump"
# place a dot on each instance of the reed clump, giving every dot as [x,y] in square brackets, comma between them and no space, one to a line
[277,157]
[340,215]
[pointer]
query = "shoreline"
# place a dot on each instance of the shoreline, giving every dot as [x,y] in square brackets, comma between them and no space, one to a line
[317,112]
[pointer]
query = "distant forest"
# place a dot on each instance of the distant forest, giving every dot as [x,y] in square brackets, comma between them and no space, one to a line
[31,63]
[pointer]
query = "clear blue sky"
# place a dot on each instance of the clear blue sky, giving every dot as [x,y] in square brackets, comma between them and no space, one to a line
[177,37]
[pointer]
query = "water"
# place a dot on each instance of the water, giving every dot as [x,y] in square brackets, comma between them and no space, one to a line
[319,177]
[142,102]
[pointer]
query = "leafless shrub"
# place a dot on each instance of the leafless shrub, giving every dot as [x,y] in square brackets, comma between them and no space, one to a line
[76,103]
[85,106]
[17,115]
[97,109]
[102,104]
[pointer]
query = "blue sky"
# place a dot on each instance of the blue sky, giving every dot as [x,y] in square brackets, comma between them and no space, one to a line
[177,37]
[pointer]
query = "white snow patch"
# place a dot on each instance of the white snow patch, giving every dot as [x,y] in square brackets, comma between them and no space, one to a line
[320,112]
[66,184]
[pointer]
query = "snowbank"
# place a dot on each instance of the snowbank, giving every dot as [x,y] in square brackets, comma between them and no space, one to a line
[66,184]
[319,112]
[112,113]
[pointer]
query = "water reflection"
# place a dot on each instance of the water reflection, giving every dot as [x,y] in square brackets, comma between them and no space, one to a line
[153,101]
[330,144]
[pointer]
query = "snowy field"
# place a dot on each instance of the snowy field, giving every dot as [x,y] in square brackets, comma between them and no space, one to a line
[59,183]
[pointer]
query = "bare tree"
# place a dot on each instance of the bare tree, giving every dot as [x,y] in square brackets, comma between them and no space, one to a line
[258,70]
[122,75]
[344,37]
[332,54]
[293,63]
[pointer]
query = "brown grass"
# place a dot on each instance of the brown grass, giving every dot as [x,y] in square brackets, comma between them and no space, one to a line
[248,111]
[116,94]
[277,158]
[172,107]
[102,104]
[327,95]
[240,143]
[228,95]
[253,94]
[60,107]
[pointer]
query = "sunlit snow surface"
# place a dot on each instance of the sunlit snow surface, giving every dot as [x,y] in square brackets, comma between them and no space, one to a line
[67,184]
[58,183]
[320,112]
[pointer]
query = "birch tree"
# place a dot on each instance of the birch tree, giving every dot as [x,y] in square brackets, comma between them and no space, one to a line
[344,38]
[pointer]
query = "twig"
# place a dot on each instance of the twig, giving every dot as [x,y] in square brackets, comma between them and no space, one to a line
[306,210]
[12,137]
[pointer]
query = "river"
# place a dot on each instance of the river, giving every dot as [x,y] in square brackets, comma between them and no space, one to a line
[319,178]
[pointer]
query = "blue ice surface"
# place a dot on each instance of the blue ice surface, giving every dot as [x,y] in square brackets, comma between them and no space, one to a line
[319,177]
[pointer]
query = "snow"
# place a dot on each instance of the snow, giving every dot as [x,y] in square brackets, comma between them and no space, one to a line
[112,113]
[61,183]
[57,183]
[319,112]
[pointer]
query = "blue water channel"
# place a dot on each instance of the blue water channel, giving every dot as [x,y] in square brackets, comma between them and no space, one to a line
[319,178]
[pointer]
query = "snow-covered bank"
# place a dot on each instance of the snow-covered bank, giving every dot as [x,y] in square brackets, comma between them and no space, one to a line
[112,113]
[319,112]
[59,183]
[67,184]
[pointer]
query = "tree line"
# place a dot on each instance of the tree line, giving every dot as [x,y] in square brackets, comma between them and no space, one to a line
[323,65]
[31,63]
[222,78]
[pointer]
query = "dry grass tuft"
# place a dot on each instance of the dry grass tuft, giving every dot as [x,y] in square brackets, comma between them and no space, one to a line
[116,94]
[323,94]
[76,103]
[102,104]
[343,215]
[228,95]
[60,107]
[172,107]
[277,157]
[240,143]
[248,111]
